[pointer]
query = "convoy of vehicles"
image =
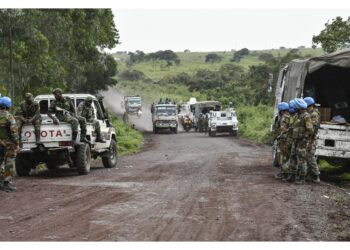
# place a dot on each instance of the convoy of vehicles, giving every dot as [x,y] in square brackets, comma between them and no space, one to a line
[223,122]
[326,79]
[57,148]
[165,117]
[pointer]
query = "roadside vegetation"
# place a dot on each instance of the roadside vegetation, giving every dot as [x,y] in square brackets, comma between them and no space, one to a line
[129,140]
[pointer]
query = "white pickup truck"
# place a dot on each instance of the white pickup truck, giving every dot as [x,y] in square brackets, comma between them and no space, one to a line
[56,146]
[223,122]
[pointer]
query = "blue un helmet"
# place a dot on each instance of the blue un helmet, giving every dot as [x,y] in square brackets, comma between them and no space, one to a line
[292,109]
[282,106]
[309,101]
[300,103]
[6,102]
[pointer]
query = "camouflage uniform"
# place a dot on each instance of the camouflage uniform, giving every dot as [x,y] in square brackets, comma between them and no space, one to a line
[312,167]
[200,123]
[86,111]
[206,124]
[302,132]
[29,110]
[283,152]
[70,117]
[8,148]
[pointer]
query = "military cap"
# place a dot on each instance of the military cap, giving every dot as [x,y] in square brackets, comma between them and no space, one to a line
[57,90]
[28,96]
[89,99]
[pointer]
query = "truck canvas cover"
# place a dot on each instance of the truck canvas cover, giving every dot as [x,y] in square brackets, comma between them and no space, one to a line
[325,78]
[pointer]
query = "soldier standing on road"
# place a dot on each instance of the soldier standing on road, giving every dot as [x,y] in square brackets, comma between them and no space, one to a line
[66,104]
[200,123]
[86,110]
[8,144]
[206,123]
[282,145]
[29,113]
[312,168]
[302,132]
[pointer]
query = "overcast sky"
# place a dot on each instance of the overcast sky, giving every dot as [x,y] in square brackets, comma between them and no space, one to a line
[219,29]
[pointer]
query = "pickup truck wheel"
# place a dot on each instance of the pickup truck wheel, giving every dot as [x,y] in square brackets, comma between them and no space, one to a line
[111,160]
[83,158]
[23,164]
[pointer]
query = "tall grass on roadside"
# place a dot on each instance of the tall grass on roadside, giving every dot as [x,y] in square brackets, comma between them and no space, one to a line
[255,122]
[129,140]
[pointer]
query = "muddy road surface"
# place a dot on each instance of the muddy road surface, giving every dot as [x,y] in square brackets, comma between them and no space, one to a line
[180,187]
[184,187]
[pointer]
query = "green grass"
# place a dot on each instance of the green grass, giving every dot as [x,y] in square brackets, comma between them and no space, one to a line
[129,140]
[255,122]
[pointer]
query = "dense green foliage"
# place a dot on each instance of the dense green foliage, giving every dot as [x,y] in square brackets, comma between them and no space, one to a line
[335,35]
[43,49]
[212,57]
[129,140]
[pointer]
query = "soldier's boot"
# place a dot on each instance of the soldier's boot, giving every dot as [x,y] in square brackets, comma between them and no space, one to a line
[99,138]
[37,137]
[5,186]
[301,180]
[83,138]
[291,178]
[316,179]
[285,176]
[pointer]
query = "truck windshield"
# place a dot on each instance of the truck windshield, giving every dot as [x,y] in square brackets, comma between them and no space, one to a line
[166,111]
[134,101]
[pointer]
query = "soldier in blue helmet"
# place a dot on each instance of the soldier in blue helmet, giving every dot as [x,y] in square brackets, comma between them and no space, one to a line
[312,168]
[302,132]
[282,128]
[8,144]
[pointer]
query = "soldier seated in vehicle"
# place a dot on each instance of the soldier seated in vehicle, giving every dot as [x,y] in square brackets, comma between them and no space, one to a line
[29,113]
[64,110]
[86,110]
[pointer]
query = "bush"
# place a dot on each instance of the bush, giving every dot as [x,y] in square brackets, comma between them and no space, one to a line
[132,75]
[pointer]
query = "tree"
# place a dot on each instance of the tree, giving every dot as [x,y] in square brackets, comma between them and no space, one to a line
[212,57]
[238,55]
[335,35]
[41,49]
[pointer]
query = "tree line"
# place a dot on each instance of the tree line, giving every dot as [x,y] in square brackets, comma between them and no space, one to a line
[42,49]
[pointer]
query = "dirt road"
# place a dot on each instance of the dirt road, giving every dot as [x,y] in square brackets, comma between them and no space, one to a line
[184,187]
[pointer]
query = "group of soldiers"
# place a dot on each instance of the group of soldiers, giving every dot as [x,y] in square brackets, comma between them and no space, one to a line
[295,133]
[29,113]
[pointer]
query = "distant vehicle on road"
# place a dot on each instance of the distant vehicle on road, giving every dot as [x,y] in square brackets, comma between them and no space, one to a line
[223,122]
[165,117]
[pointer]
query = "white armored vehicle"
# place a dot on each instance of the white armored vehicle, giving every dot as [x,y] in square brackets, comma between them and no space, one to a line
[57,148]
[223,122]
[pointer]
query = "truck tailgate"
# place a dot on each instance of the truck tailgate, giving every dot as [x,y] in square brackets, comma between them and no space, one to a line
[51,135]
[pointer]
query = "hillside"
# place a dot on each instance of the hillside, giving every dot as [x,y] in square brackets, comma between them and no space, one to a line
[193,61]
